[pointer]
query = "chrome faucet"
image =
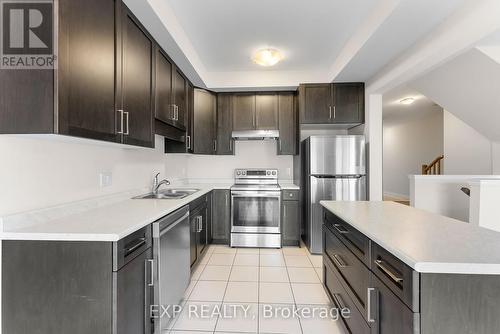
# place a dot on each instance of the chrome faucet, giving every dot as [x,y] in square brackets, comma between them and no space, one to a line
[157,185]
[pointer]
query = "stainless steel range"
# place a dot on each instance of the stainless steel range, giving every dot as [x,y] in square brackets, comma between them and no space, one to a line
[256,208]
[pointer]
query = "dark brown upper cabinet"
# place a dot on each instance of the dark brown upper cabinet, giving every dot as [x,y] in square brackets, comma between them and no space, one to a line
[171,105]
[104,85]
[255,111]
[163,88]
[224,125]
[288,124]
[243,111]
[338,103]
[136,98]
[315,103]
[204,132]
[349,102]
[266,111]
[180,98]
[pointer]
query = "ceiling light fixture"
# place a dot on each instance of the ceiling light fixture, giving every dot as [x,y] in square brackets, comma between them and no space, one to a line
[408,100]
[267,57]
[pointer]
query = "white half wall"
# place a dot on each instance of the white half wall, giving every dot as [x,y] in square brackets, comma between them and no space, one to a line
[49,170]
[466,151]
[408,144]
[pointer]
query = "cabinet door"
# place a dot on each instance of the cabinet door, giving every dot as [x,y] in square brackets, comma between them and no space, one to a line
[133,295]
[193,242]
[391,315]
[163,88]
[190,118]
[349,103]
[180,98]
[224,125]
[136,83]
[221,216]
[290,222]
[202,230]
[315,103]
[204,122]
[86,70]
[266,111]
[287,143]
[243,112]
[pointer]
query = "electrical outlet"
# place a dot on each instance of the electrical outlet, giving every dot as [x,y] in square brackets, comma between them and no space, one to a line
[105,179]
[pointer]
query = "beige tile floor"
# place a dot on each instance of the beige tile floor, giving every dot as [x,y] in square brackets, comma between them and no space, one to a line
[255,278]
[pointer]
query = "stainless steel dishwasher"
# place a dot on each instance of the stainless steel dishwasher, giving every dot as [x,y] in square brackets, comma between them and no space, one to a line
[171,251]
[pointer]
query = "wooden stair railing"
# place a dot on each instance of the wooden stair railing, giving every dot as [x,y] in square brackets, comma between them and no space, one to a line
[434,168]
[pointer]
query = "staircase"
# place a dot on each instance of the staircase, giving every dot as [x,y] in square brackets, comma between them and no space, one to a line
[434,168]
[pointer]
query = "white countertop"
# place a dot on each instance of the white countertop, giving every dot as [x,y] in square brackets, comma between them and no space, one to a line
[100,219]
[426,242]
[97,219]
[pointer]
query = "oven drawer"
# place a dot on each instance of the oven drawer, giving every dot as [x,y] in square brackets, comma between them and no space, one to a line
[348,267]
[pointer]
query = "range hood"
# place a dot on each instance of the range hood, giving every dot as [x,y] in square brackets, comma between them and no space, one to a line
[256,134]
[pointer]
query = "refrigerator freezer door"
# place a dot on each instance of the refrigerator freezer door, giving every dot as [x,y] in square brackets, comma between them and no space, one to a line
[337,155]
[321,188]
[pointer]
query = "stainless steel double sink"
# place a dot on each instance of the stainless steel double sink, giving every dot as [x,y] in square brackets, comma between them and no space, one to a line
[168,194]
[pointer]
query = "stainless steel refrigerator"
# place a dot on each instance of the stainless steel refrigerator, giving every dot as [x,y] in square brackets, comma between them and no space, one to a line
[333,168]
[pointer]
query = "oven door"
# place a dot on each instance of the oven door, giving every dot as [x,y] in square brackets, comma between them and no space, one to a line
[255,211]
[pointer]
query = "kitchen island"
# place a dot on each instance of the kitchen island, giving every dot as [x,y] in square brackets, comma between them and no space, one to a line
[403,270]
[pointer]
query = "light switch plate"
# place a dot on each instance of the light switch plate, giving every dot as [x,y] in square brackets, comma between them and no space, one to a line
[105,179]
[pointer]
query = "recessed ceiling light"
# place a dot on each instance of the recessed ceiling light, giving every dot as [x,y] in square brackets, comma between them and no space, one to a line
[408,100]
[267,57]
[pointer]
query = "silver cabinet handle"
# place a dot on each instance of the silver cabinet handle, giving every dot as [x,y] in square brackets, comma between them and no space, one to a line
[369,316]
[339,261]
[152,271]
[201,223]
[341,229]
[338,300]
[231,145]
[334,112]
[330,112]
[227,199]
[279,141]
[121,121]
[388,272]
[188,142]
[127,132]
[176,112]
[215,145]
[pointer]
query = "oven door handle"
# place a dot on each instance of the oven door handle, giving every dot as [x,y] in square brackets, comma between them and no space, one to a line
[271,194]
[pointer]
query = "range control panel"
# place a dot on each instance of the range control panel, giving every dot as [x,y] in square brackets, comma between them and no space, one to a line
[256,173]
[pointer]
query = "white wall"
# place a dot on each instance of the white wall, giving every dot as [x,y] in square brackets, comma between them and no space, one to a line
[248,154]
[466,150]
[36,173]
[409,143]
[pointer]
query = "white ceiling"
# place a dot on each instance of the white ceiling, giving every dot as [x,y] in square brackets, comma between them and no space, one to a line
[395,112]
[409,22]
[319,38]
[226,33]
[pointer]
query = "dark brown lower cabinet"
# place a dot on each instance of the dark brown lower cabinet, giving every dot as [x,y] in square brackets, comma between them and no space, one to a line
[391,315]
[386,296]
[200,221]
[221,216]
[290,218]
